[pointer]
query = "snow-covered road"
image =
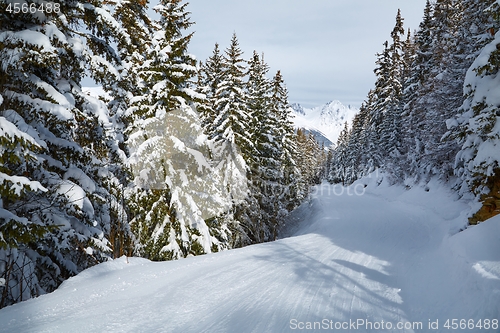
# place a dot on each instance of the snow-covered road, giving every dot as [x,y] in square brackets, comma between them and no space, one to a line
[388,260]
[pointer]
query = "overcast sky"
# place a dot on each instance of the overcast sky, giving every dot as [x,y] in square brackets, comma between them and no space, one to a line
[324,48]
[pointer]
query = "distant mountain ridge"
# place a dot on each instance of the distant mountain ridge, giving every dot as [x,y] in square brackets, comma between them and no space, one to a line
[325,122]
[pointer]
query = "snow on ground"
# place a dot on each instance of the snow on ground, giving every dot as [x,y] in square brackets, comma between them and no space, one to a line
[360,260]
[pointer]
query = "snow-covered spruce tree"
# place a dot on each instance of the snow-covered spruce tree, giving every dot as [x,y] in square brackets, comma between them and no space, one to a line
[261,159]
[378,99]
[232,99]
[117,38]
[478,127]
[385,106]
[364,132]
[414,111]
[341,163]
[375,140]
[42,63]
[210,76]
[347,160]
[357,144]
[393,103]
[434,92]
[18,160]
[310,158]
[227,160]
[293,185]
[266,172]
[232,146]
[176,192]
[443,89]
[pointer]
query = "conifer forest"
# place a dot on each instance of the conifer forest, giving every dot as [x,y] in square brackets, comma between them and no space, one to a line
[180,157]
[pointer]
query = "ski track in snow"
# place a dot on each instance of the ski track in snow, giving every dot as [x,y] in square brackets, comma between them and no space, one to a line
[387,255]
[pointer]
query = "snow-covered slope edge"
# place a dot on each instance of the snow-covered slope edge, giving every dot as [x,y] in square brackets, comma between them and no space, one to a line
[369,253]
[327,120]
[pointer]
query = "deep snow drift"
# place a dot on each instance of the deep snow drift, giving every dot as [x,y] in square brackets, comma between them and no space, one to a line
[361,260]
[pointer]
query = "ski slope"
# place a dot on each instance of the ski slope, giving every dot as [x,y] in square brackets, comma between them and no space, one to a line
[380,256]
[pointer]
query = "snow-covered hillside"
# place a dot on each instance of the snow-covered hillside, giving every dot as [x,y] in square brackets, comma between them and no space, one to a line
[327,119]
[374,259]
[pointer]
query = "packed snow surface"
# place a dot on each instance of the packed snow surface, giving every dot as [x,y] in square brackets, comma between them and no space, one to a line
[377,255]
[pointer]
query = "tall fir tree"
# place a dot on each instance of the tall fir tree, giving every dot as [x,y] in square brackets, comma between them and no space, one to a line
[356,143]
[210,76]
[476,127]
[68,204]
[391,125]
[175,194]
[293,185]
[414,113]
[436,90]
[310,158]
[264,163]
[228,129]
[341,162]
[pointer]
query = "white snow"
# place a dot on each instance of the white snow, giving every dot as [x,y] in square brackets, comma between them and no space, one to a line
[75,194]
[19,183]
[358,254]
[11,131]
[85,181]
[34,38]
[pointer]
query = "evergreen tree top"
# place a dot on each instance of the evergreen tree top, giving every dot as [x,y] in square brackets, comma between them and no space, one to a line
[235,62]
[398,28]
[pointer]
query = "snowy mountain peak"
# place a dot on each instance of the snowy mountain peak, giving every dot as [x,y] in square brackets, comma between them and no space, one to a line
[327,119]
[335,111]
[298,108]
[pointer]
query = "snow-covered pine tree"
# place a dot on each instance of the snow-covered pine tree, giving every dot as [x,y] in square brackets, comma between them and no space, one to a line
[378,100]
[408,54]
[232,146]
[18,160]
[414,110]
[356,146]
[210,76]
[439,71]
[376,138]
[43,60]
[444,87]
[228,162]
[176,191]
[262,172]
[266,173]
[148,200]
[477,127]
[310,158]
[391,124]
[232,100]
[294,187]
[341,163]
[117,39]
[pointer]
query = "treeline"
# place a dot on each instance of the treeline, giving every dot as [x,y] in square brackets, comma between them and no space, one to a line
[178,158]
[434,110]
